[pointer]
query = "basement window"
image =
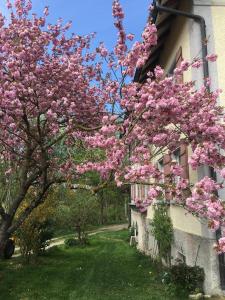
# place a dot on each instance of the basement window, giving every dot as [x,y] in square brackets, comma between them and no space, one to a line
[181,258]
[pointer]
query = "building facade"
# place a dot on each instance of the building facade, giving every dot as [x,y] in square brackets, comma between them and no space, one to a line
[186,30]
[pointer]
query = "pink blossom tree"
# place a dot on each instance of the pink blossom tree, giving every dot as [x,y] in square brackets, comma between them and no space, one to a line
[55,95]
[159,115]
[51,96]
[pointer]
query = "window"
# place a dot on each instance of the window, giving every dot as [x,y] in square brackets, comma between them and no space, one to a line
[176,160]
[177,61]
[176,157]
[180,257]
[161,169]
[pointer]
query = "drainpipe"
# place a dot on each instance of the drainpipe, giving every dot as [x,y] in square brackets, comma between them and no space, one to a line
[202,24]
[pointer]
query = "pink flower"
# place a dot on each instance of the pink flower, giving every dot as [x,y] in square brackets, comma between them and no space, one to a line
[102,50]
[222,173]
[211,57]
[220,247]
[159,72]
[214,225]
[176,170]
[152,193]
[130,36]
[197,64]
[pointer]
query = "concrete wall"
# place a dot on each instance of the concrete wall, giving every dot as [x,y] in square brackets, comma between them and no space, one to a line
[199,251]
[184,221]
[146,242]
[178,37]
[196,249]
[213,11]
[139,220]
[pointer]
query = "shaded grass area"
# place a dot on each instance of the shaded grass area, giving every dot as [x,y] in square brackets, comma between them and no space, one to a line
[108,269]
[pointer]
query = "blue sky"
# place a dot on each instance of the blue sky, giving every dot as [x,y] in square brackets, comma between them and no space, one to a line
[94,16]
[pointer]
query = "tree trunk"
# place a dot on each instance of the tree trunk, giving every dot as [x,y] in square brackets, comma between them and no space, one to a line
[79,233]
[101,204]
[101,212]
[5,224]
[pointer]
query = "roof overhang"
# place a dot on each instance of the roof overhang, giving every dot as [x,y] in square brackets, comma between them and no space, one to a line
[163,21]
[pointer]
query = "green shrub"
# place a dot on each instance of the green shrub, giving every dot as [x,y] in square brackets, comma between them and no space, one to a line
[34,234]
[183,278]
[33,238]
[71,242]
[162,230]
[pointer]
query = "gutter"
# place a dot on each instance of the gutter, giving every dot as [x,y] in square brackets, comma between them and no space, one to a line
[202,24]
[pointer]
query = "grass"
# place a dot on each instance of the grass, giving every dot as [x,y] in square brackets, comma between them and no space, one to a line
[108,269]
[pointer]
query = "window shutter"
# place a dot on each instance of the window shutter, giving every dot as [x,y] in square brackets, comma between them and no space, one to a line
[178,60]
[184,161]
[167,164]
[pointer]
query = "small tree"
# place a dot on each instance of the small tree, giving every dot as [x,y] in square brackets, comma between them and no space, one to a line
[47,104]
[79,211]
[162,230]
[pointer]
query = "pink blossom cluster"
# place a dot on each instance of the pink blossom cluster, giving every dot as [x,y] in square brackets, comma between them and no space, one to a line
[211,57]
[118,14]
[176,170]
[220,246]
[204,202]
[142,205]
[140,173]
[139,52]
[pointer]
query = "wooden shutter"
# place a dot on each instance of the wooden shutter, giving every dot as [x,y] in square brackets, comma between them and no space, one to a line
[178,60]
[167,165]
[184,161]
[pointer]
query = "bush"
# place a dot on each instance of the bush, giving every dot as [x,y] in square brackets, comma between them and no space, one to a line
[162,230]
[33,238]
[34,234]
[183,278]
[71,243]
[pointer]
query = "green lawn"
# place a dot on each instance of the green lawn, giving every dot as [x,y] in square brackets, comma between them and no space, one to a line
[108,269]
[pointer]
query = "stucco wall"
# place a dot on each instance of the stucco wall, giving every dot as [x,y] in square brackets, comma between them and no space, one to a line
[213,11]
[185,221]
[139,220]
[178,37]
[196,249]
[199,251]
[218,22]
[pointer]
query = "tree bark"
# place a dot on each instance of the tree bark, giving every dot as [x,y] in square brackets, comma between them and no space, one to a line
[4,235]
[79,233]
[102,212]
[102,206]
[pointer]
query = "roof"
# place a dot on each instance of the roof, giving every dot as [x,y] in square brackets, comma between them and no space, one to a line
[163,22]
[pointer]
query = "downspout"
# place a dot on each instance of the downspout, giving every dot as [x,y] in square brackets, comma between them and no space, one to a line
[202,24]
